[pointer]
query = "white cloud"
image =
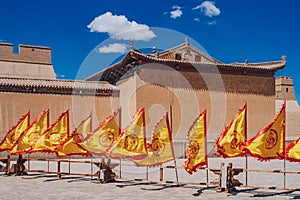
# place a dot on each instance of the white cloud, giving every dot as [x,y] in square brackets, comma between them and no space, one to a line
[113,48]
[176,7]
[118,27]
[209,8]
[211,23]
[197,19]
[176,13]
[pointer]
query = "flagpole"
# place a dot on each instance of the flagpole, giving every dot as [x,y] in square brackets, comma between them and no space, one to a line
[147,173]
[246,135]
[69,165]
[91,168]
[171,127]
[206,156]
[284,175]
[176,172]
[120,125]
[284,160]
[48,163]
[246,170]
[28,158]
[120,173]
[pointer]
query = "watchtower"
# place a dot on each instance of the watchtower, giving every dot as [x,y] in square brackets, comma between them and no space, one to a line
[284,88]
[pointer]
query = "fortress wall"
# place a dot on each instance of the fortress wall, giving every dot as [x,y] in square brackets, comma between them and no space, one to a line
[187,104]
[15,105]
[27,53]
[29,62]
[185,94]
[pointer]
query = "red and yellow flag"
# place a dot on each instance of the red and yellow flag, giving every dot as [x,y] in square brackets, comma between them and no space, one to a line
[293,151]
[132,141]
[234,136]
[57,133]
[13,134]
[196,145]
[84,128]
[102,138]
[269,143]
[31,134]
[73,145]
[160,149]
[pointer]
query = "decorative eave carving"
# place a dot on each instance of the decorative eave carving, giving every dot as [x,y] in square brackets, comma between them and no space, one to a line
[58,87]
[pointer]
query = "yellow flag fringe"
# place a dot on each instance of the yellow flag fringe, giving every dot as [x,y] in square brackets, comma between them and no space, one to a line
[269,143]
[196,149]
[73,144]
[100,140]
[132,141]
[56,134]
[160,149]
[31,134]
[234,136]
[15,132]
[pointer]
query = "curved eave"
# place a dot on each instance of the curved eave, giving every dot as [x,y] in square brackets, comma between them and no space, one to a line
[126,59]
[263,66]
[113,73]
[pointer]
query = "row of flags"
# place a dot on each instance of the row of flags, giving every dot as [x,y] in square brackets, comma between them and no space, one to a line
[109,140]
[267,144]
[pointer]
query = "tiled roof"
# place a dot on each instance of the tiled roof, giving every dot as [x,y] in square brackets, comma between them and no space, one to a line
[69,87]
[273,65]
[133,58]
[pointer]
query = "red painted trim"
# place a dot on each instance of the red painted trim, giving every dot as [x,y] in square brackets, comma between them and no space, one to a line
[220,149]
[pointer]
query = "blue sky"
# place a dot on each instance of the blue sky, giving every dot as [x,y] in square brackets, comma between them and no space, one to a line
[229,30]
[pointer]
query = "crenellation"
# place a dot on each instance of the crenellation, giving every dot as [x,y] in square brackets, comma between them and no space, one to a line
[30,62]
[284,88]
[5,49]
[27,54]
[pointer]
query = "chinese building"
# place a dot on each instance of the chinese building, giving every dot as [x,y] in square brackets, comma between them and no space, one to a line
[182,81]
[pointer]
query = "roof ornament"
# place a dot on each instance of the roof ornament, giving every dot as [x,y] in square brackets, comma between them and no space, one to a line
[153,50]
[131,44]
[246,62]
[186,41]
[283,58]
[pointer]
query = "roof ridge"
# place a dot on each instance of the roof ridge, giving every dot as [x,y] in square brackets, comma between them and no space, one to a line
[205,54]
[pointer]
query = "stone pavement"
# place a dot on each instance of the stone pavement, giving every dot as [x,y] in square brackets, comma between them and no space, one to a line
[39,186]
